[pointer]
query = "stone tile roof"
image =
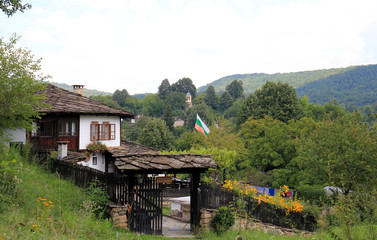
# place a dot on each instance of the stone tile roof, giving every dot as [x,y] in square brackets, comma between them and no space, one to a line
[135,157]
[64,101]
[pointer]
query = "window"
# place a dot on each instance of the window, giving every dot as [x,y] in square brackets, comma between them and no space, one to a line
[104,131]
[46,129]
[67,128]
[94,160]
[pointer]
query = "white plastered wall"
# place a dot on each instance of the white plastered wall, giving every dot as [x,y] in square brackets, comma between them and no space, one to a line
[16,135]
[85,122]
[100,165]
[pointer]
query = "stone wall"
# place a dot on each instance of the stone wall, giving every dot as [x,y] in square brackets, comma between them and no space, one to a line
[206,216]
[119,216]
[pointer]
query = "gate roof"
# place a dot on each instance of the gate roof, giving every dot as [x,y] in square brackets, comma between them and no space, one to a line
[136,158]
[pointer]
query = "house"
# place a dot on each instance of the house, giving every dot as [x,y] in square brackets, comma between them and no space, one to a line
[76,120]
[72,122]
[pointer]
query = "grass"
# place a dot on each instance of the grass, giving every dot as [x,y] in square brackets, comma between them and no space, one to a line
[48,207]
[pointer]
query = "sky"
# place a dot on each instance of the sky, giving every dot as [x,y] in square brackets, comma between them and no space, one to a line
[135,44]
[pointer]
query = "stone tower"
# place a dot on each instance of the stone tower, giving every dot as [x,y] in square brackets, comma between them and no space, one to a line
[188,100]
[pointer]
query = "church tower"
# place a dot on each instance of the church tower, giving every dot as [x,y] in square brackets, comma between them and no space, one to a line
[188,101]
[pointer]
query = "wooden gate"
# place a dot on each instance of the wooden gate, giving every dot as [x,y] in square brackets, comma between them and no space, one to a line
[146,213]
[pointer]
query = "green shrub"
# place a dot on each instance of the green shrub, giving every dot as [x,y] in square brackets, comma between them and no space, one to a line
[223,220]
[98,195]
[314,194]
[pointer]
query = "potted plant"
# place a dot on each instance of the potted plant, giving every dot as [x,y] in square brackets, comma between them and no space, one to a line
[96,147]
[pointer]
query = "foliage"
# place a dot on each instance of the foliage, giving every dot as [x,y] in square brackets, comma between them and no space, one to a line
[205,113]
[164,89]
[210,98]
[289,205]
[156,134]
[340,153]
[96,147]
[353,88]
[97,194]
[133,104]
[254,81]
[277,100]
[106,100]
[168,118]
[235,89]
[152,106]
[10,7]
[21,84]
[176,100]
[314,194]
[232,112]
[226,101]
[9,181]
[120,97]
[271,147]
[321,112]
[223,220]
[184,85]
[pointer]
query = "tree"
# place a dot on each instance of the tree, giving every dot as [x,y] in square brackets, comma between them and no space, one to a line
[184,85]
[277,100]
[156,134]
[21,86]
[205,113]
[120,97]
[152,106]
[164,89]
[10,7]
[235,89]
[226,101]
[168,118]
[133,104]
[177,100]
[340,153]
[106,100]
[271,147]
[210,98]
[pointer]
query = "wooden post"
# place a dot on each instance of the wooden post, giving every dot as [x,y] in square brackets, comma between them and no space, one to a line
[194,200]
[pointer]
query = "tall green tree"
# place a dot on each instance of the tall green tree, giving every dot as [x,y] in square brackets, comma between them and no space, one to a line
[21,86]
[177,100]
[184,85]
[340,153]
[153,106]
[271,147]
[235,89]
[210,98]
[168,118]
[156,134]
[277,100]
[226,101]
[10,7]
[120,97]
[164,89]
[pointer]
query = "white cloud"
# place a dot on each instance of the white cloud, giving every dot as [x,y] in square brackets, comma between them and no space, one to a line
[136,44]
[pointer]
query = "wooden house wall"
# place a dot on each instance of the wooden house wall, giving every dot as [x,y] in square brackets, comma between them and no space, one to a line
[50,132]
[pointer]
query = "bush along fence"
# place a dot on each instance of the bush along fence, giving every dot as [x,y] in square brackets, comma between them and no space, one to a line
[275,210]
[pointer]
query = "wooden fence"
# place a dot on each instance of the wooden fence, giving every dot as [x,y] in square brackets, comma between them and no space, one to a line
[214,196]
[116,186]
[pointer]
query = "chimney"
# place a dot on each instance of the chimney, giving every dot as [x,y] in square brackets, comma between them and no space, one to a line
[62,149]
[79,89]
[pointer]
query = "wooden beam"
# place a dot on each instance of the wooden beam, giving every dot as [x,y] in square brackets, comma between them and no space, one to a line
[195,200]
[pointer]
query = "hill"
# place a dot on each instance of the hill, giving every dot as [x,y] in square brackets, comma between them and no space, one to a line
[253,81]
[354,88]
[87,92]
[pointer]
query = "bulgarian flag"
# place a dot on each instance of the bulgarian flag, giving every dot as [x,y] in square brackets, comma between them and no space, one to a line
[200,126]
